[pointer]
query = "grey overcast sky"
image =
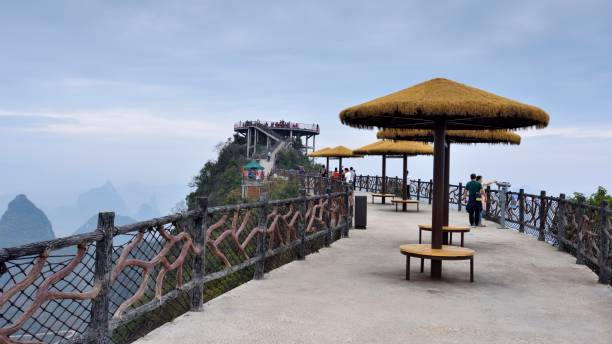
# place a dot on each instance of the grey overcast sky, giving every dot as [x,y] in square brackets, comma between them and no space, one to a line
[142,90]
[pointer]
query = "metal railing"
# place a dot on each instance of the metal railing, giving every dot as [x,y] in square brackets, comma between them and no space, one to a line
[580,229]
[117,283]
[278,125]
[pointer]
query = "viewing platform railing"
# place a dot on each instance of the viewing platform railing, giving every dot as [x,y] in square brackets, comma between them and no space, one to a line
[577,228]
[119,282]
[278,125]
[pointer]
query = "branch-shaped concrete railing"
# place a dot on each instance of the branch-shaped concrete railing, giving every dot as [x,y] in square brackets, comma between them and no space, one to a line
[45,288]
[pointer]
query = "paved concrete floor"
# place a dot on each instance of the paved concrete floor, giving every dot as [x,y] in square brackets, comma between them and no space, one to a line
[354,292]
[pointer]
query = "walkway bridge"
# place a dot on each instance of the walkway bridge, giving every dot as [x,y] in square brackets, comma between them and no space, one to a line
[525,291]
[277,272]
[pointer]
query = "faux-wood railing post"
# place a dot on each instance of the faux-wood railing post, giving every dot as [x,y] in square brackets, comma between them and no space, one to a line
[328,236]
[199,238]
[459,193]
[579,250]
[561,222]
[347,216]
[302,226]
[430,191]
[604,242]
[261,237]
[488,203]
[418,193]
[100,305]
[542,226]
[521,199]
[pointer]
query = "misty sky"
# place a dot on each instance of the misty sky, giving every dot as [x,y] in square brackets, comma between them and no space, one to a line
[143,90]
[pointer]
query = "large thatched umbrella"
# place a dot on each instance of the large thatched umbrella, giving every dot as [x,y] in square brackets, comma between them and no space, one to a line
[390,149]
[319,154]
[441,105]
[337,152]
[452,136]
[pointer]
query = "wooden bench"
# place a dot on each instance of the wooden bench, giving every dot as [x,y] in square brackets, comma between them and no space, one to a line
[447,252]
[405,201]
[445,229]
[383,196]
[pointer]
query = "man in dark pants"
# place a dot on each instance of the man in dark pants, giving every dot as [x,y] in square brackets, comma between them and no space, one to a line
[474,200]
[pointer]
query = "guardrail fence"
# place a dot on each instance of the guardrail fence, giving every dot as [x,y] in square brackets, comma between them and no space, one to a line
[580,229]
[117,283]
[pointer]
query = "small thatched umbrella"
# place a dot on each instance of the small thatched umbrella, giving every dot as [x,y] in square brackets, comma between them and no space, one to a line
[337,152]
[319,154]
[452,136]
[390,149]
[441,105]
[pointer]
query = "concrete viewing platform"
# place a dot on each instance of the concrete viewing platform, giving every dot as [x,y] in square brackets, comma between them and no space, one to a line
[525,291]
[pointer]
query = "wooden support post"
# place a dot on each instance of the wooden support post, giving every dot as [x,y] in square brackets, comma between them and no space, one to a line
[459,196]
[437,212]
[260,266]
[579,247]
[543,213]
[302,226]
[604,244]
[418,193]
[521,210]
[367,183]
[561,222]
[384,177]
[198,233]
[100,305]
[446,201]
[328,236]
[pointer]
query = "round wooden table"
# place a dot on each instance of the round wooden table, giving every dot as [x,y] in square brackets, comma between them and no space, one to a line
[447,252]
[445,229]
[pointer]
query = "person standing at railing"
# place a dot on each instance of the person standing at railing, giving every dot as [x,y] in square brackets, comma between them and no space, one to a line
[483,196]
[336,174]
[474,201]
[353,177]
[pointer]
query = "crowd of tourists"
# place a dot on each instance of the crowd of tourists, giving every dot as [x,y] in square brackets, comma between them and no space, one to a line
[253,174]
[279,125]
[476,198]
[348,175]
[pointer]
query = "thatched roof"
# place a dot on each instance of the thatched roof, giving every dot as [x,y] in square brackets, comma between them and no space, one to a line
[317,153]
[395,148]
[463,107]
[339,152]
[455,136]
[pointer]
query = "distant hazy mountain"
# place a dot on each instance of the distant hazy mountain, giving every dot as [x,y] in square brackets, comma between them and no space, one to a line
[4,201]
[92,223]
[147,210]
[166,196]
[104,198]
[24,223]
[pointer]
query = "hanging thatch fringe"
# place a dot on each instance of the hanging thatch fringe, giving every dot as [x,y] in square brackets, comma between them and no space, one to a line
[464,107]
[455,136]
[395,148]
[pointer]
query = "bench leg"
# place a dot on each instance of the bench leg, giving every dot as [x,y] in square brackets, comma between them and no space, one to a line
[461,239]
[472,270]
[450,242]
[417,207]
[407,267]
[396,207]
[422,264]
[420,236]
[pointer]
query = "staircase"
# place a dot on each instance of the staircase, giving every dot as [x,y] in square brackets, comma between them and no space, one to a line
[269,165]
